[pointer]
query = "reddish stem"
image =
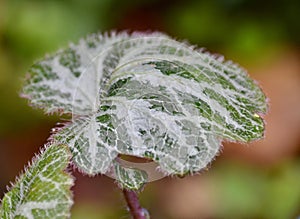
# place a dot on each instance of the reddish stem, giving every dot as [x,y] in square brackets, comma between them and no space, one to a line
[136,211]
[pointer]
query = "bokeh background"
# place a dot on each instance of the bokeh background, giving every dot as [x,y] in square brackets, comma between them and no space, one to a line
[257,180]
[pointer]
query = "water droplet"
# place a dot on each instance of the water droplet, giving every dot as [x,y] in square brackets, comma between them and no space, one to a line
[145,213]
[256,115]
[59,124]
[54,129]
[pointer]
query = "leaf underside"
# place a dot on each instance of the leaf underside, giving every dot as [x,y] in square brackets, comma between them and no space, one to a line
[146,95]
[43,191]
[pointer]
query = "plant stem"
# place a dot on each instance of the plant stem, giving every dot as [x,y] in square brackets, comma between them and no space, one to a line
[136,211]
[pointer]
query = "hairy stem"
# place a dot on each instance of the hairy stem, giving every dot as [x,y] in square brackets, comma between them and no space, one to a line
[136,211]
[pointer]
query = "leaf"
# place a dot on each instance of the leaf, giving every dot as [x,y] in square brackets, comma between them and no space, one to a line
[57,84]
[148,96]
[43,191]
[130,178]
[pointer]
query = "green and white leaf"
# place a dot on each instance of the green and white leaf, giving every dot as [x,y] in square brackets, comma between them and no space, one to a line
[147,96]
[129,178]
[43,191]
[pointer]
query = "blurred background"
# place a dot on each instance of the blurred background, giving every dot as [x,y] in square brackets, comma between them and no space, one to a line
[258,180]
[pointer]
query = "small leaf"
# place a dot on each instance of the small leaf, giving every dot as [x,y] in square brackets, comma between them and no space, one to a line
[149,96]
[129,178]
[43,191]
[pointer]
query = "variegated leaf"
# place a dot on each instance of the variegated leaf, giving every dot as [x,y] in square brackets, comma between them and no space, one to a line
[129,178]
[43,191]
[147,96]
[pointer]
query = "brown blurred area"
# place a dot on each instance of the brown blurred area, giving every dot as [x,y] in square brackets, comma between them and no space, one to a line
[255,180]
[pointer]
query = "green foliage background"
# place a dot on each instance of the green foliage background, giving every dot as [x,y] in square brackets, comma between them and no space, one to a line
[253,33]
